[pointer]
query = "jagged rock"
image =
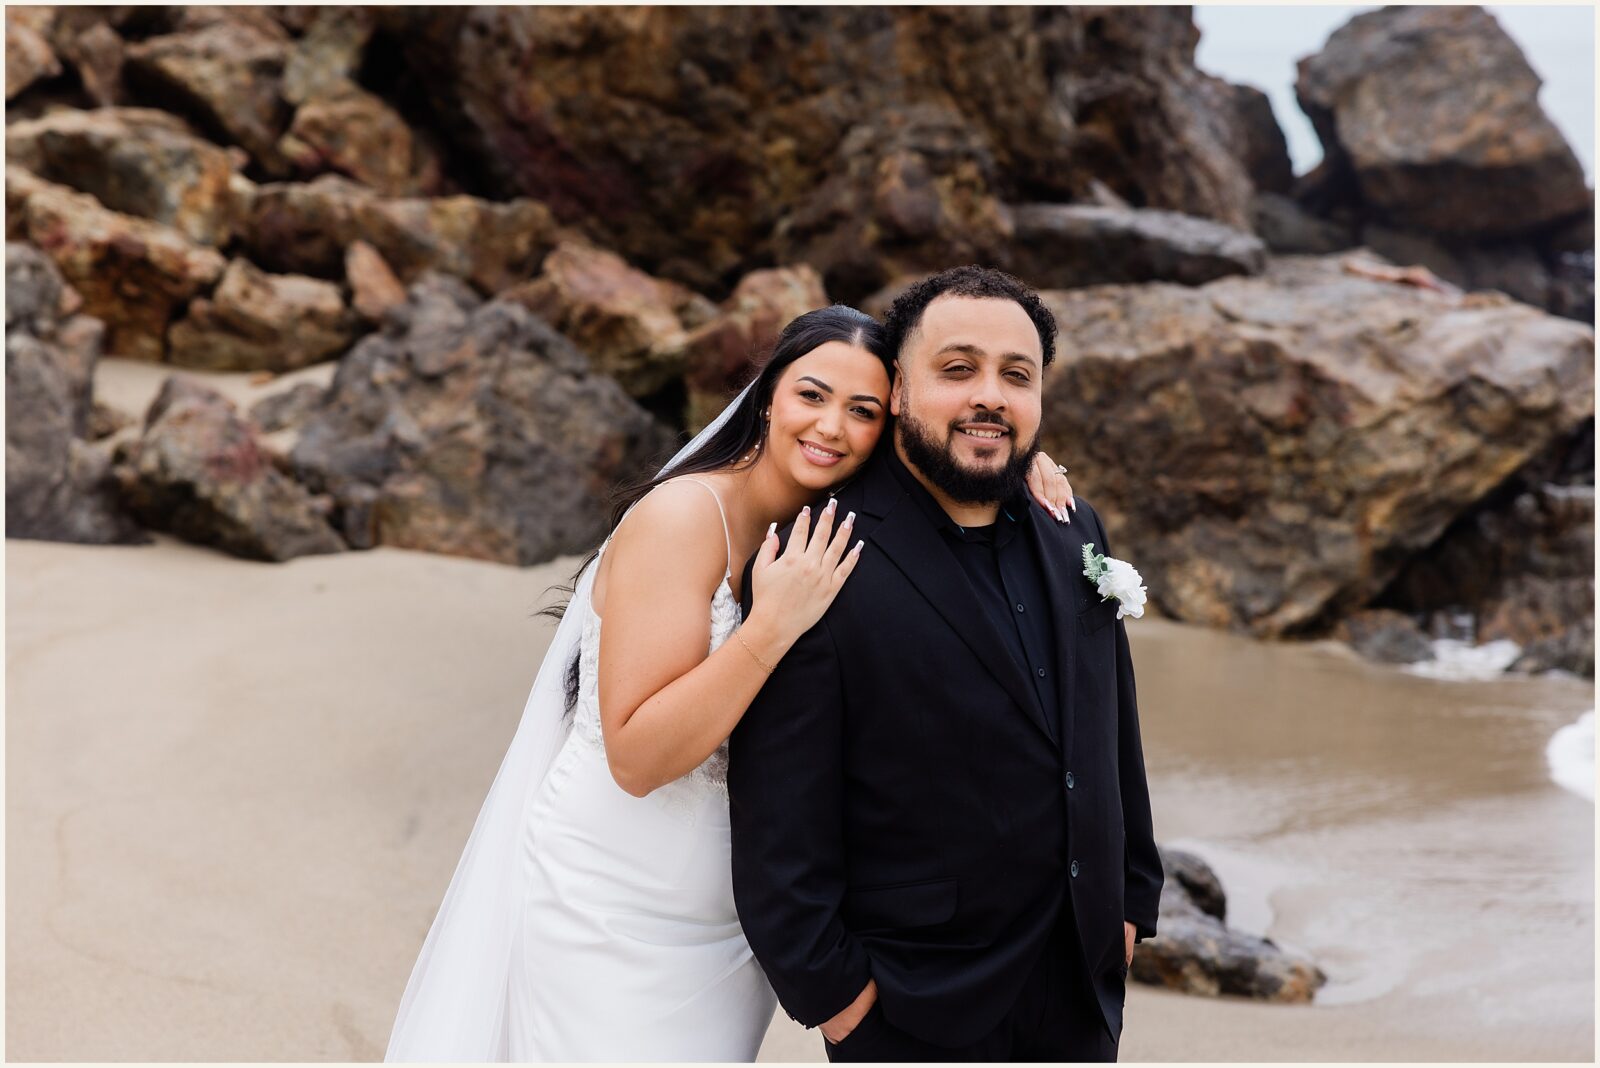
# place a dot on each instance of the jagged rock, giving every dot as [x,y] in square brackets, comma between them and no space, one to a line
[256,321]
[913,187]
[346,129]
[305,229]
[138,161]
[57,484]
[105,421]
[472,429]
[373,287]
[1060,246]
[697,141]
[328,52]
[1269,451]
[199,472]
[1196,953]
[132,273]
[289,408]
[723,351]
[1385,635]
[1286,227]
[29,57]
[1259,142]
[624,320]
[227,75]
[1430,117]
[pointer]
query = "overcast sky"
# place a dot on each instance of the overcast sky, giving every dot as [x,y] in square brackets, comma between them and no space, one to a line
[1259,46]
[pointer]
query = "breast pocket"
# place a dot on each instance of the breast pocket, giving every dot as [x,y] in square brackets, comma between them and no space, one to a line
[1097,615]
[900,906]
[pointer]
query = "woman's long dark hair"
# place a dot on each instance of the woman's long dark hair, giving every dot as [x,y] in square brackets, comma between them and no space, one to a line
[745,427]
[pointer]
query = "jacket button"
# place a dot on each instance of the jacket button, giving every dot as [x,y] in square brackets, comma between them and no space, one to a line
[1069,780]
[1074,869]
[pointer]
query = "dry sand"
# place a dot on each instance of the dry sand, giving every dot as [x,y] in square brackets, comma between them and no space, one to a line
[237,792]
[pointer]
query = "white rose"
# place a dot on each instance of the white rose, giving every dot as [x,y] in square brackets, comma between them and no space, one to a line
[1121,581]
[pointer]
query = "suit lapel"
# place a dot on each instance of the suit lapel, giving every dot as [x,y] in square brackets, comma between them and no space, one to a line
[928,564]
[1060,550]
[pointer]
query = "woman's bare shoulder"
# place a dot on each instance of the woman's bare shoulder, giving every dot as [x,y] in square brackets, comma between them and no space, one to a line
[677,526]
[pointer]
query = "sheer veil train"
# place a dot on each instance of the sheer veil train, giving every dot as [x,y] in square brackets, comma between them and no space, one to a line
[454,1007]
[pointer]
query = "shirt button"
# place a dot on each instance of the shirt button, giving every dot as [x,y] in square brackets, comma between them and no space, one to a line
[1069,780]
[1020,608]
[1041,673]
[1074,869]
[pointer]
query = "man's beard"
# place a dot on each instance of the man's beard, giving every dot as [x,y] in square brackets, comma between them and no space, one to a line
[938,463]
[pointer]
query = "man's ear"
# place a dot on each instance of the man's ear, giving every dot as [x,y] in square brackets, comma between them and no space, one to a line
[894,389]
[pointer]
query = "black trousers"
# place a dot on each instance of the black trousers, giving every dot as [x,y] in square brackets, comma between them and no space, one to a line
[1056,1018]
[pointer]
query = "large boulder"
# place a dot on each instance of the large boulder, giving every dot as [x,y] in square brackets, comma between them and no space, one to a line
[138,161]
[473,429]
[1059,246]
[58,484]
[305,228]
[133,274]
[685,137]
[1196,952]
[627,322]
[1430,117]
[1270,450]
[199,472]
[226,75]
[255,321]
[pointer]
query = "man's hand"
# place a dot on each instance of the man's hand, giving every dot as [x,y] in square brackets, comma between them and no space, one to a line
[1129,932]
[839,1028]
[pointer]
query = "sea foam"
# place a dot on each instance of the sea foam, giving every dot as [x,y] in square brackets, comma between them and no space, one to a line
[1570,753]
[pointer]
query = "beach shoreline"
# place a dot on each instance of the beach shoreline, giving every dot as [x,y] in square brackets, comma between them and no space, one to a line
[237,791]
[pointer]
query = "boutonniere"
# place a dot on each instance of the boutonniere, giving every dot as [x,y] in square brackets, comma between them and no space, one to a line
[1115,578]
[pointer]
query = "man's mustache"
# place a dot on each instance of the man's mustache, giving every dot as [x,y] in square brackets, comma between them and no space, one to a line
[984,417]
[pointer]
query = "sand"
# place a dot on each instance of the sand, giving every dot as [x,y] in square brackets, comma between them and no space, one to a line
[236,792]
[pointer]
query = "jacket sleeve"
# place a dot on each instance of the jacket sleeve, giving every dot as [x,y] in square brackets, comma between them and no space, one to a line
[1142,876]
[785,786]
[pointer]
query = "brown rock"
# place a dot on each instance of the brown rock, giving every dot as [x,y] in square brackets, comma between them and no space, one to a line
[685,137]
[226,75]
[132,273]
[472,429]
[1269,451]
[1431,116]
[1385,635]
[1060,246]
[305,229]
[260,321]
[347,130]
[29,57]
[373,287]
[723,352]
[1195,952]
[624,320]
[138,161]
[1259,142]
[199,473]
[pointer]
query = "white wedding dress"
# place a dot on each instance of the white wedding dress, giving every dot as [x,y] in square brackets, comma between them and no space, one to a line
[628,946]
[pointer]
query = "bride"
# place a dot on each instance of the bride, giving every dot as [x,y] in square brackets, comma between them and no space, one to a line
[591,916]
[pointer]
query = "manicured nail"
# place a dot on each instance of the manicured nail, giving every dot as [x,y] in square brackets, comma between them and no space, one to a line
[1073,504]
[771,530]
[858,546]
[831,504]
[851,518]
[805,512]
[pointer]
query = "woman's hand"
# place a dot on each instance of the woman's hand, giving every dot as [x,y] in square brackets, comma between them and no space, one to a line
[792,591]
[1050,488]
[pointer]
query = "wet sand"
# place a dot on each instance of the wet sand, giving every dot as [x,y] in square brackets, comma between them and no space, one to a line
[238,790]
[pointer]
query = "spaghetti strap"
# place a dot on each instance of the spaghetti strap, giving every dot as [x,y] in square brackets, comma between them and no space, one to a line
[726,536]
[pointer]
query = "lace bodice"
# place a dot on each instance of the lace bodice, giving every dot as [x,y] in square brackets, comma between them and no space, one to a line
[725,617]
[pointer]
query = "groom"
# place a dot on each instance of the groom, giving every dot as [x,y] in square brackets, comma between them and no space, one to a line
[942,846]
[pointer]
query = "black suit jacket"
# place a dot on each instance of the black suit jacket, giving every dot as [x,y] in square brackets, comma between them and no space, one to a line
[901,804]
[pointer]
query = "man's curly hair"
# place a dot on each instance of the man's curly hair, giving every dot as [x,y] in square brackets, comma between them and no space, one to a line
[905,313]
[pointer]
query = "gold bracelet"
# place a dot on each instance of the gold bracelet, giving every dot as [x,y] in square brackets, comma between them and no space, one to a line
[752,652]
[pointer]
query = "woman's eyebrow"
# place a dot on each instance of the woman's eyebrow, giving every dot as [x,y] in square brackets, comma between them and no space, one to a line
[820,384]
